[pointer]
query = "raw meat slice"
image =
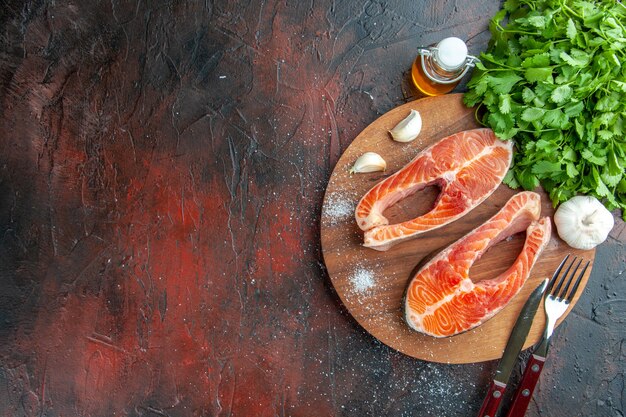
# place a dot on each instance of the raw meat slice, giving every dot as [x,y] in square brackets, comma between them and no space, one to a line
[467,166]
[441,300]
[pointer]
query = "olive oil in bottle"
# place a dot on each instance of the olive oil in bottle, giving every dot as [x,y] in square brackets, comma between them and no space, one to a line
[439,68]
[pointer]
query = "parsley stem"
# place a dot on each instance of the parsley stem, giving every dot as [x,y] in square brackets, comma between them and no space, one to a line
[565,6]
[523,32]
[476,117]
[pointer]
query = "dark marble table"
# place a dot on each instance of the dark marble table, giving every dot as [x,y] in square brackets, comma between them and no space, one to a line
[162,169]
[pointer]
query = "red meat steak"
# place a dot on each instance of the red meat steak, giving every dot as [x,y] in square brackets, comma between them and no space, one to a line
[467,166]
[441,299]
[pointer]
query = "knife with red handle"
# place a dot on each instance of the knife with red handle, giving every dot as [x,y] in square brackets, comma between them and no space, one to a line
[529,380]
[492,399]
[511,352]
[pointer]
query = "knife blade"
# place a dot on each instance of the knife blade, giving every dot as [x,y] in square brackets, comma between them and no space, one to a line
[511,352]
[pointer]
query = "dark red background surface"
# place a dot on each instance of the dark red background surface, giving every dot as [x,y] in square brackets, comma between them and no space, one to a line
[162,168]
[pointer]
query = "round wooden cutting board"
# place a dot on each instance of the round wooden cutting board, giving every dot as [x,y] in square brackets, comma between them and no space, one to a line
[371,284]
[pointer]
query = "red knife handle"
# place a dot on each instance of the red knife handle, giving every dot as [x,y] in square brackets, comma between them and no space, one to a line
[492,399]
[527,386]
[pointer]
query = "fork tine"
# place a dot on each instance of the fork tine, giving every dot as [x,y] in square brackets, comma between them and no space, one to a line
[556,274]
[570,297]
[563,293]
[557,290]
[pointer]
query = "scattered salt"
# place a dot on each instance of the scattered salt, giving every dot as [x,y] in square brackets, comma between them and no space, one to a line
[362,280]
[338,208]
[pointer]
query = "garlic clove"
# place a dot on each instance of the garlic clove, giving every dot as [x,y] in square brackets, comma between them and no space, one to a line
[583,222]
[408,129]
[368,162]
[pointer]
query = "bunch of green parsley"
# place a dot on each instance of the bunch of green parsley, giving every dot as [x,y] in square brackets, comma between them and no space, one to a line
[553,79]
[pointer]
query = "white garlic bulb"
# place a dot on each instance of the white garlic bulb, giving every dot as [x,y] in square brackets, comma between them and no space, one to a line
[369,162]
[408,129]
[583,222]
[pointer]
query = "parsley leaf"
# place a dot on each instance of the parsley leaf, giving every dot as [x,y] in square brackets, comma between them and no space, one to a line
[574,109]
[561,94]
[571,29]
[503,82]
[532,114]
[546,167]
[537,61]
[505,104]
[555,118]
[577,58]
[538,74]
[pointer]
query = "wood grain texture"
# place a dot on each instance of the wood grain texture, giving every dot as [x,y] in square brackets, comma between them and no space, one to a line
[379,308]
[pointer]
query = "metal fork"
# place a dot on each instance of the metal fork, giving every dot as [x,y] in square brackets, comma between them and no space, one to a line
[558,298]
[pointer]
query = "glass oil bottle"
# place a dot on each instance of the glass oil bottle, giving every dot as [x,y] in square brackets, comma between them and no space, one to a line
[439,68]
